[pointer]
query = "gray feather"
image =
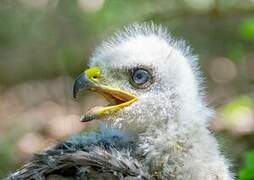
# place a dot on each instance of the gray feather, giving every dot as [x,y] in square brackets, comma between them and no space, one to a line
[102,155]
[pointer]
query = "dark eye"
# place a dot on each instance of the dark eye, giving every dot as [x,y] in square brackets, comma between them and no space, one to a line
[140,78]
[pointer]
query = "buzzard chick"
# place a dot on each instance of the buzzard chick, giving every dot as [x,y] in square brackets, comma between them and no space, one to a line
[157,112]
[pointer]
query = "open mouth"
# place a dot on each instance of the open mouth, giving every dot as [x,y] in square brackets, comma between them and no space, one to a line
[118,99]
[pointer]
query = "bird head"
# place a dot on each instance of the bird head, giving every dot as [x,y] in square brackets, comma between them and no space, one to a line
[149,78]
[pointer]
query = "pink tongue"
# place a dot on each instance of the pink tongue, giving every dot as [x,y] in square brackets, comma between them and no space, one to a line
[91,114]
[94,110]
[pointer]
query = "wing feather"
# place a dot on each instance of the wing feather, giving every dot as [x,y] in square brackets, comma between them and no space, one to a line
[106,154]
[94,164]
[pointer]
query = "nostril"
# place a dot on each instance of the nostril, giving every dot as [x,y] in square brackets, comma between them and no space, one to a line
[95,77]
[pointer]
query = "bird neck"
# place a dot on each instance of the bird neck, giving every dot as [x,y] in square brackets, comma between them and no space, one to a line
[167,142]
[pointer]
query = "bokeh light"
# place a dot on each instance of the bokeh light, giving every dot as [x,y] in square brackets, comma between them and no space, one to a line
[223,70]
[91,5]
[44,44]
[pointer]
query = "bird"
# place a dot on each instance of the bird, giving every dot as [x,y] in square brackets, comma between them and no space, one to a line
[156,125]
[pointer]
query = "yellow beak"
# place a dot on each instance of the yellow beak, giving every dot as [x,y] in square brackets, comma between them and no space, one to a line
[90,80]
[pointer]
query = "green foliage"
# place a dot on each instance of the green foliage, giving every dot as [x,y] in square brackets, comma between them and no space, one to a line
[243,101]
[236,107]
[44,42]
[236,53]
[7,152]
[247,29]
[247,172]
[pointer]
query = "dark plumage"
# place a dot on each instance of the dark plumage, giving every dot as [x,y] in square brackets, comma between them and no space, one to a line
[106,154]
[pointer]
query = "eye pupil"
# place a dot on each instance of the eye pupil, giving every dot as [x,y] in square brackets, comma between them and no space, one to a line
[139,76]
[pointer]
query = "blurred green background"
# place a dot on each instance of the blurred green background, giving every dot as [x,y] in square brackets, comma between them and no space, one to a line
[45,43]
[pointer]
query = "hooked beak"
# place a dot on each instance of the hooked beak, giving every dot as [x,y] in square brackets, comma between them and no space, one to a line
[90,80]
